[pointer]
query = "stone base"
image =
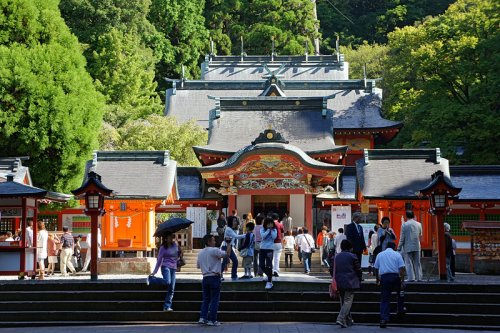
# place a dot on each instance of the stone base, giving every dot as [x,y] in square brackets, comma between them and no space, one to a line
[141,266]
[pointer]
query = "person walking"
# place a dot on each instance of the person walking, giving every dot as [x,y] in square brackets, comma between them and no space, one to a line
[300,234]
[338,240]
[321,239]
[67,244]
[88,255]
[409,243]
[278,246]
[268,234]
[52,250]
[221,228]
[389,273]
[287,222]
[289,245]
[347,274]
[372,244]
[306,244]
[230,233]
[449,252]
[247,249]
[354,234]
[167,259]
[42,248]
[257,271]
[209,262]
[385,233]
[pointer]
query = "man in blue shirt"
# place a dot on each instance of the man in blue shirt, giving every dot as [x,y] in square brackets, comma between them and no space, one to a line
[390,272]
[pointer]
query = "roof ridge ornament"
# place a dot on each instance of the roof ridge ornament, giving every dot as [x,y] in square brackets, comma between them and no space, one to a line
[268,136]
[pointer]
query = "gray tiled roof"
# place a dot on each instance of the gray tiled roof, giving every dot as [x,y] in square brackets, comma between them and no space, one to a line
[255,71]
[135,174]
[307,130]
[14,189]
[348,109]
[398,173]
[477,182]
[14,166]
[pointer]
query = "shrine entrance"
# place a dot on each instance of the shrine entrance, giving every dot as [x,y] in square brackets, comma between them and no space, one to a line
[270,204]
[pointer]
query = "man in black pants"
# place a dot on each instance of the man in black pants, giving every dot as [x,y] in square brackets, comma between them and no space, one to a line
[390,271]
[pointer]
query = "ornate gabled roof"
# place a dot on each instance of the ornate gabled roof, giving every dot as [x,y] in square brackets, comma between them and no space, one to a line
[135,174]
[271,148]
[398,173]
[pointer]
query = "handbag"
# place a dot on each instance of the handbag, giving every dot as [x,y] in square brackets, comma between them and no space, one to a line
[313,250]
[334,292]
[181,262]
[244,252]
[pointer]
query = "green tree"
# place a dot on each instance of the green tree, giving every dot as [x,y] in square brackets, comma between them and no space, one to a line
[157,132]
[444,82]
[373,55]
[356,21]
[183,24]
[119,42]
[49,108]
[290,23]
[124,71]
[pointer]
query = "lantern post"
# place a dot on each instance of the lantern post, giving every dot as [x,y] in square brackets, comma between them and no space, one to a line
[94,192]
[440,192]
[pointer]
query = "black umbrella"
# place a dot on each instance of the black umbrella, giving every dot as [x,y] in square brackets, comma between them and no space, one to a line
[173,224]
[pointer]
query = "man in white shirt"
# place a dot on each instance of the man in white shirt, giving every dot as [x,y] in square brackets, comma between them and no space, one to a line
[209,261]
[338,239]
[390,272]
[88,240]
[306,244]
[411,234]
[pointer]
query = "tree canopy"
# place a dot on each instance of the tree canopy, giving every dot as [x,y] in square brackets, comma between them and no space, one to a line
[50,109]
[442,78]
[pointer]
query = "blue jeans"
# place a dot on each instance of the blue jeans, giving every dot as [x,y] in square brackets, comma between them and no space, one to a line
[449,273]
[167,281]
[234,260]
[306,259]
[390,282]
[210,286]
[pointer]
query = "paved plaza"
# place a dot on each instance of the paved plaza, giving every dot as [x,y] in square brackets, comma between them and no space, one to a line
[232,328]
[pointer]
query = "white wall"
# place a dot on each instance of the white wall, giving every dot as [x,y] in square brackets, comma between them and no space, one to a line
[243,205]
[297,209]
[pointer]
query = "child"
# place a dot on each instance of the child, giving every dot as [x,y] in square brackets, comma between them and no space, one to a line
[246,250]
[289,244]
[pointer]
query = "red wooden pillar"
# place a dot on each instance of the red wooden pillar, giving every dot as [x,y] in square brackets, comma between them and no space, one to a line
[231,204]
[308,207]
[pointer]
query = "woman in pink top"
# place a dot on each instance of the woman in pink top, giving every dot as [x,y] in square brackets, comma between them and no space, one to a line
[53,249]
[167,259]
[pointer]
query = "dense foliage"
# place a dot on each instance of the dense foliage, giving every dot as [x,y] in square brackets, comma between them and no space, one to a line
[49,107]
[443,82]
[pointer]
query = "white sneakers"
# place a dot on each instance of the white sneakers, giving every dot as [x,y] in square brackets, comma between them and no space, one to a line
[213,323]
[269,285]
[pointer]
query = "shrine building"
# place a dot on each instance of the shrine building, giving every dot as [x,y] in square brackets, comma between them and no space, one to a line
[285,134]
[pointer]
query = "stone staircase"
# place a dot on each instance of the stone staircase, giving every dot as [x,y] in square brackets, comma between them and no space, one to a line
[78,302]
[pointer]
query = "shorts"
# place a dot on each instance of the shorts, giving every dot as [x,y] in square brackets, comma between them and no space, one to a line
[53,260]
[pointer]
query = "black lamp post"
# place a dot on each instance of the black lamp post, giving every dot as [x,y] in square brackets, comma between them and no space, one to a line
[439,191]
[94,192]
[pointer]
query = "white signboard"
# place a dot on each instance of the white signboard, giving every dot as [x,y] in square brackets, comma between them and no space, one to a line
[199,216]
[341,215]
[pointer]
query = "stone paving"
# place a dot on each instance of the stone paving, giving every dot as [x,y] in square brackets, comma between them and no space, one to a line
[233,328]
